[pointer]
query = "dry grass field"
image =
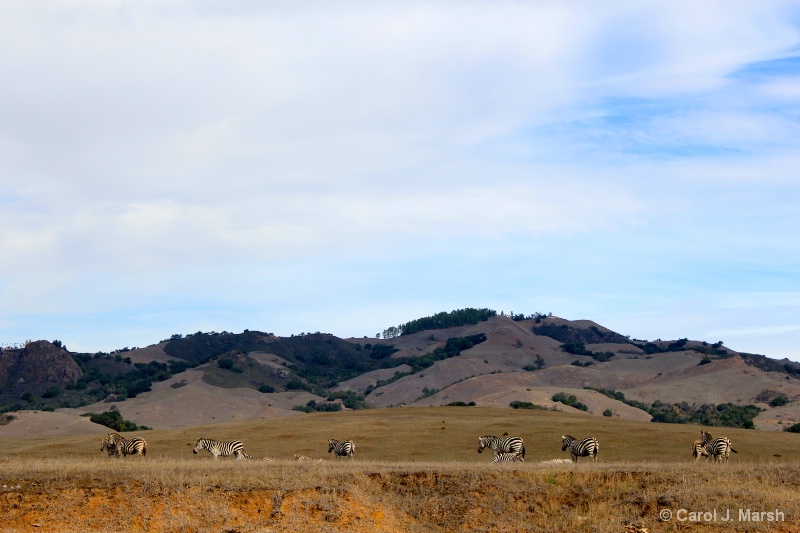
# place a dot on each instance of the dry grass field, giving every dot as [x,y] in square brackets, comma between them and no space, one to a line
[415,470]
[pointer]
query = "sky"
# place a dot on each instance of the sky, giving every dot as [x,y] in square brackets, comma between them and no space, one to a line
[168,167]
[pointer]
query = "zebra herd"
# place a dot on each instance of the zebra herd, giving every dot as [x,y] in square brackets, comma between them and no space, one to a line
[506,449]
[116,445]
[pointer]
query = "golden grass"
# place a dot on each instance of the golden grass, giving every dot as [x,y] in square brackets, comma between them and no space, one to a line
[415,470]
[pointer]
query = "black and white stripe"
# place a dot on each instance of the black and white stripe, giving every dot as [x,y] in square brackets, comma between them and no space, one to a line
[504,457]
[502,445]
[718,449]
[118,445]
[587,447]
[216,448]
[341,449]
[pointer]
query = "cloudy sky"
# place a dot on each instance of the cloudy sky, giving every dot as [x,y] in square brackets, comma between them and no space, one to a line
[173,167]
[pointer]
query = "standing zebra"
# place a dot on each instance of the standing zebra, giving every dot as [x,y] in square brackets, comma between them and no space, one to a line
[587,447]
[504,457]
[341,449]
[119,445]
[717,449]
[502,444]
[216,448]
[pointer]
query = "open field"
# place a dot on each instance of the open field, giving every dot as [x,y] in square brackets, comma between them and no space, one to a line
[415,470]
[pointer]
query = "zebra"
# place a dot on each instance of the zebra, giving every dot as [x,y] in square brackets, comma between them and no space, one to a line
[107,446]
[587,447]
[119,445]
[216,448]
[504,457]
[502,444]
[717,449]
[341,449]
[699,450]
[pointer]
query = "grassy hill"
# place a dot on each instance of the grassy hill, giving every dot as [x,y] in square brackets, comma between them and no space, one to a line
[468,356]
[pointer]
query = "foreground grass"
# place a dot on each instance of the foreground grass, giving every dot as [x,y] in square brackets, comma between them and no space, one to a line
[170,494]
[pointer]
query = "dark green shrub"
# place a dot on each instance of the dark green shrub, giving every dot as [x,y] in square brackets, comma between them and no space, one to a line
[527,405]
[779,400]
[51,392]
[114,420]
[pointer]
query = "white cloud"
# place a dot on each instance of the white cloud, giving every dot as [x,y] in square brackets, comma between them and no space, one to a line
[141,141]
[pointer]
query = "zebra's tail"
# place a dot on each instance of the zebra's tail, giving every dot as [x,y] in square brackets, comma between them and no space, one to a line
[522,452]
[734,451]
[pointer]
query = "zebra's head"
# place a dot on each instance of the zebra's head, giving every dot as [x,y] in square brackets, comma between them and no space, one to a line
[566,440]
[483,442]
[332,444]
[199,445]
[706,437]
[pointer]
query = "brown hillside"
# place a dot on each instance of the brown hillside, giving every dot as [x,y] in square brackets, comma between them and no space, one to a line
[186,400]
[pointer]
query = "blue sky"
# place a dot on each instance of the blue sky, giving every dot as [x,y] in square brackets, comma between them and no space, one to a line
[172,167]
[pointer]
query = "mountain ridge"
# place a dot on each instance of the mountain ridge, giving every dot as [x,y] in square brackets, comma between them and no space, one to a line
[492,362]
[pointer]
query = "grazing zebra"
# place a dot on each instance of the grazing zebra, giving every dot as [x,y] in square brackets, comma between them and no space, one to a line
[119,445]
[502,444]
[587,447]
[216,448]
[504,457]
[717,449]
[341,449]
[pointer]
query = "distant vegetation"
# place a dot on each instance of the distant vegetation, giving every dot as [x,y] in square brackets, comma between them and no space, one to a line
[104,376]
[795,428]
[443,320]
[567,334]
[579,348]
[724,414]
[527,405]
[452,348]
[570,400]
[314,406]
[113,419]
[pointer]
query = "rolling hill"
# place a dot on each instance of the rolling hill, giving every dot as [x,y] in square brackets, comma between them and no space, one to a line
[491,361]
